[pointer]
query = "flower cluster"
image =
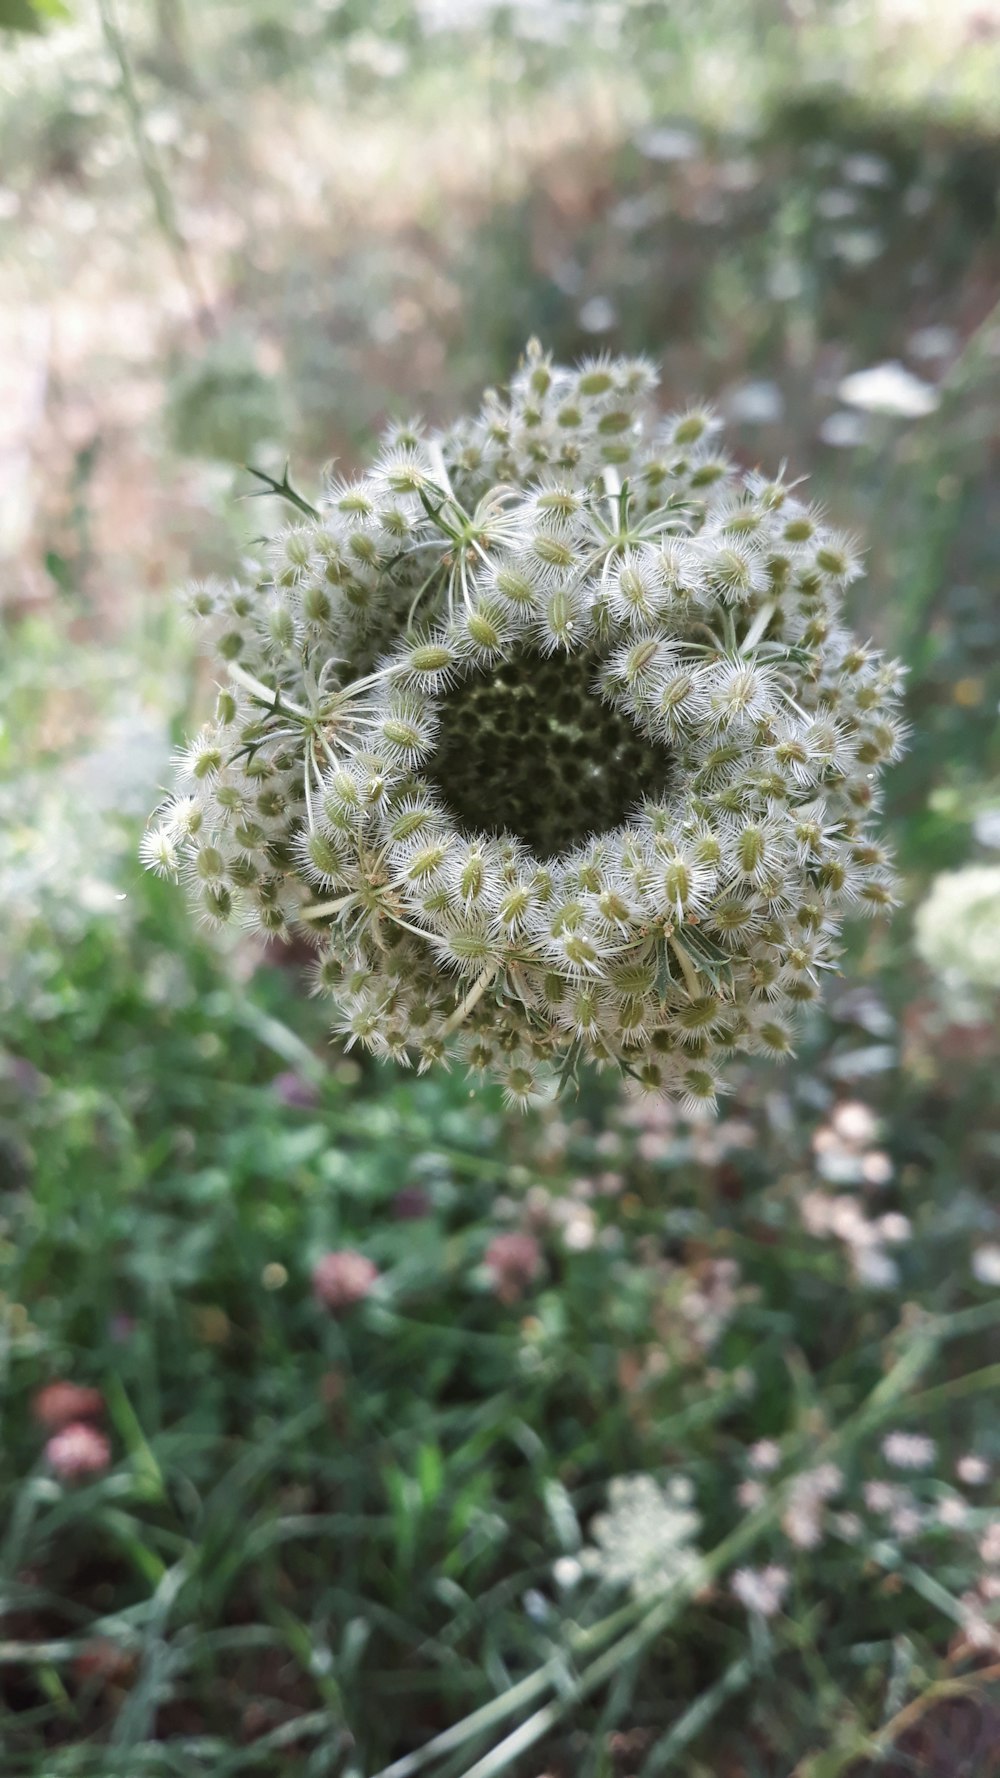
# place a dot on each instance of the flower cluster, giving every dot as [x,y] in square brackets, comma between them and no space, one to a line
[645,1540]
[549,731]
[957,931]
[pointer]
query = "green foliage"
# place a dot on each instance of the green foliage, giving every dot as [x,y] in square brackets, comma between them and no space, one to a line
[353,1527]
[221,405]
[31,15]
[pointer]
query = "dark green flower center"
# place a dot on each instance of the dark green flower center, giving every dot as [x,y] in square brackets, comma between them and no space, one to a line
[532,748]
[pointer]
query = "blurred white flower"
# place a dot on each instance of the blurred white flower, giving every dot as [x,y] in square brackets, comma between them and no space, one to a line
[876,1167]
[844,430]
[952,1512]
[597,315]
[894,1227]
[785,281]
[989,1545]
[909,1450]
[932,342]
[986,827]
[858,246]
[662,142]
[986,1264]
[567,1572]
[645,1540]
[874,1267]
[761,1590]
[803,1518]
[957,928]
[844,1218]
[906,1522]
[866,169]
[979,1632]
[889,389]
[848,1526]
[755,404]
[835,204]
[579,1228]
[764,1457]
[854,1122]
[884,1497]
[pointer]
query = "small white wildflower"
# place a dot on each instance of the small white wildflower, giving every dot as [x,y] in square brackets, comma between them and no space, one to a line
[866,169]
[972,1470]
[855,1123]
[881,1497]
[844,430]
[909,1450]
[889,389]
[876,1167]
[567,1572]
[761,1590]
[875,1268]
[802,1520]
[844,1218]
[894,1228]
[764,1457]
[957,930]
[932,342]
[986,1264]
[579,1230]
[645,1540]
[750,1495]
[906,1522]
[989,1545]
[979,1632]
[952,1511]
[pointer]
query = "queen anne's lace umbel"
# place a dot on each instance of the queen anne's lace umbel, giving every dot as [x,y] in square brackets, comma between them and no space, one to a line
[548,730]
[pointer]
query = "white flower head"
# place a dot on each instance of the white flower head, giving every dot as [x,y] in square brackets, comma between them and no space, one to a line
[547,731]
[764,1457]
[957,929]
[761,1590]
[889,389]
[986,1263]
[909,1450]
[803,1520]
[645,1540]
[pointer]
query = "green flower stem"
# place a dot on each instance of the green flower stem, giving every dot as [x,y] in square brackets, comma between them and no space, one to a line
[474,995]
[152,172]
[944,1395]
[268,694]
[699,1714]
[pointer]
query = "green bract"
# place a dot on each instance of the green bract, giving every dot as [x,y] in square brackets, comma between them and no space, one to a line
[549,732]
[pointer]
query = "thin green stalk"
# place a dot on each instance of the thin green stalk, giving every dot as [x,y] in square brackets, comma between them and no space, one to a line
[665,1610]
[698,1715]
[152,172]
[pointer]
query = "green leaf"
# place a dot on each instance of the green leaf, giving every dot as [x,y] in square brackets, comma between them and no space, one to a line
[30,15]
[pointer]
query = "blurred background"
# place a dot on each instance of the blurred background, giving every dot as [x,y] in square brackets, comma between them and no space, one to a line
[302,1533]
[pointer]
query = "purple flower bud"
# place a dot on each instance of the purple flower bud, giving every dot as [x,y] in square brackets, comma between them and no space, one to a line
[411,1204]
[295,1092]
